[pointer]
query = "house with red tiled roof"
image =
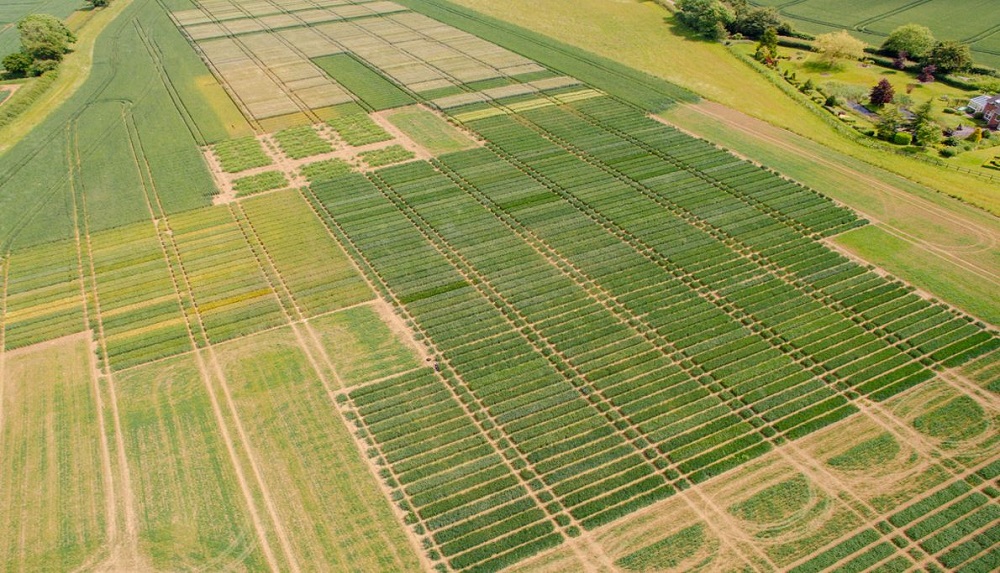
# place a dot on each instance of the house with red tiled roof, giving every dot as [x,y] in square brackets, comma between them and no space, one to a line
[991,112]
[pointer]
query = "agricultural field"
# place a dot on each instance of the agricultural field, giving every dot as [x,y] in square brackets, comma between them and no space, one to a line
[499,317]
[969,21]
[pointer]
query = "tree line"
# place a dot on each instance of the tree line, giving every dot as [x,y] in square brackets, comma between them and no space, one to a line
[720,19]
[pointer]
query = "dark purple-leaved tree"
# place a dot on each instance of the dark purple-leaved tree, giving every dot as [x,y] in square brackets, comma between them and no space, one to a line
[882,93]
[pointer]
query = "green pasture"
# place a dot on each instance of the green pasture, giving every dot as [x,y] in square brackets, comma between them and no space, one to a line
[971,21]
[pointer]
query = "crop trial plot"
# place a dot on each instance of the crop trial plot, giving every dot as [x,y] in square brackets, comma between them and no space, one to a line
[42,297]
[52,490]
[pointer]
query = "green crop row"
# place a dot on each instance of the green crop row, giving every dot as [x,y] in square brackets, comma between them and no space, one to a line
[240,154]
[473,504]
[252,184]
[326,170]
[387,156]
[301,142]
[358,129]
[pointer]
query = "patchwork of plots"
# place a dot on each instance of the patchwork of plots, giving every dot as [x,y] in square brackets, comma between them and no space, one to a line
[269,55]
[623,311]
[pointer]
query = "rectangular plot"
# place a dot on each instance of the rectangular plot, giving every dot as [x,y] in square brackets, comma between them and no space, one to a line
[43,295]
[315,269]
[173,442]
[233,299]
[323,482]
[52,498]
[365,83]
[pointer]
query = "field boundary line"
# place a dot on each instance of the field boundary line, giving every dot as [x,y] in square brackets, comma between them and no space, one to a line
[4,277]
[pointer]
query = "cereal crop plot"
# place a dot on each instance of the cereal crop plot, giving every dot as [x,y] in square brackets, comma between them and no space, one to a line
[958,419]
[314,268]
[301,142]
[240,154]
[188,497]
[330,503]
[868,455]
[325,170]
[959,524]
[367,85]
[43,295]
[229,290]
[670,552]
[681,292]
[448,477]
[140,309]
[259,183]
[357,129]
[430,131]
[362,347]
[52,510]
[387,156]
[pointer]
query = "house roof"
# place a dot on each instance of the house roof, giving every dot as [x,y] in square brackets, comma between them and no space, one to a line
[980,99]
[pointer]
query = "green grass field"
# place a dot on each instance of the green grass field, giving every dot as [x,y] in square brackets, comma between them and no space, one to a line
[969,21]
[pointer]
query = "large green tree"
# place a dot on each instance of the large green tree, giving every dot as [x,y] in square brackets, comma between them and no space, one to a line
[17,64]
[925,130]
[707,17]
[839,45]
[44,37]
[755,21]
[913,39]
[950,57]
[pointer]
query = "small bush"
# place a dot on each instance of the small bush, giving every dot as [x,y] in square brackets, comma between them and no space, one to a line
[902,138]
[948,152]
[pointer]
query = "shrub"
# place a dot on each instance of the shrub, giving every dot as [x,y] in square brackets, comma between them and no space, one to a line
[948,152]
